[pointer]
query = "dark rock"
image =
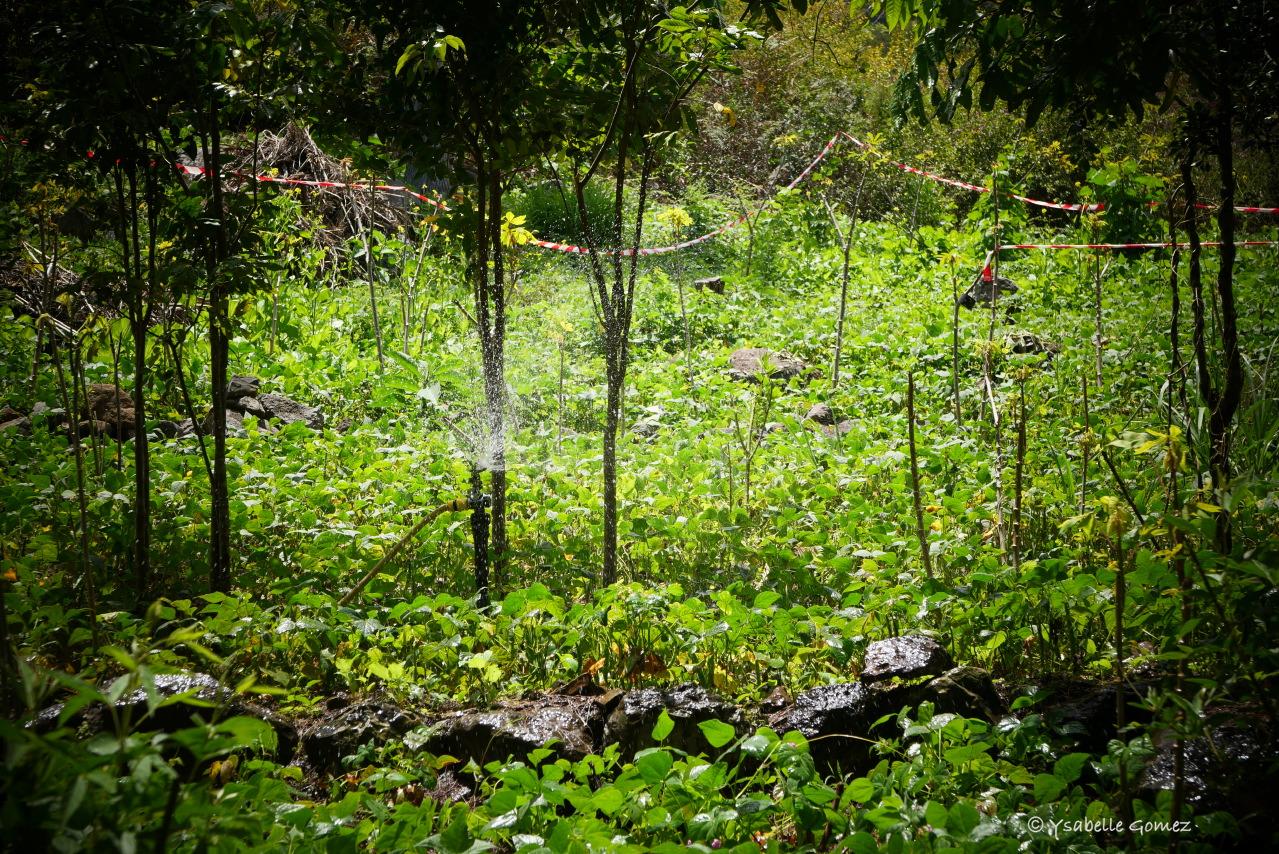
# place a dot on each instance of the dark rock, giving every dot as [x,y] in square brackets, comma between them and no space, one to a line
[777,700]
[234,424]
[967,691]
[186,428]
[8,413]
[985,291]
[1030,344]
[345,424]
[288,410]
[646,427]
[95,718]
[345,731]
[53,417]
[905,658]
[822,414]
[515,728]
[167,429]
[714,284]
[93,428]
[240,387]
[1086,711]
[631,723]
[851,709]
[251,406]
[834,431]
[22,424]
[747,364]
[110,403]
[837,718]
[1230,770]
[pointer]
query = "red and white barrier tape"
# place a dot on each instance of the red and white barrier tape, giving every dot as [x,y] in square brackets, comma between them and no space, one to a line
[987,274]
[1239,243]
[197,171]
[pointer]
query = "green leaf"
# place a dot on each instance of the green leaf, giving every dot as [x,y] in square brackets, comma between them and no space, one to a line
[654,764]
[717,733]
[1048,787]
[663,727]
[1069,767]
[962,818]
[935,814]
[861,790]
[608,800]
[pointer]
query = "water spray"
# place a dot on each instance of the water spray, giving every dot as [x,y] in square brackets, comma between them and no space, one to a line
[477,502]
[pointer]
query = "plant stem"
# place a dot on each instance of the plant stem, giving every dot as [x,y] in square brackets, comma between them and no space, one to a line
[920,529]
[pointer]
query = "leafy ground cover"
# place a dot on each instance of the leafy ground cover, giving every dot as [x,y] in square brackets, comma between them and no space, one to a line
[761,549]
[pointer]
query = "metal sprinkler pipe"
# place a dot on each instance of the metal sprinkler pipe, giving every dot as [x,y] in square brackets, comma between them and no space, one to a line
[473,501]
[479,502]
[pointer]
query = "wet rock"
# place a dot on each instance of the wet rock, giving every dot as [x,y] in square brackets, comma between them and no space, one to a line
[714,284]
[1227,770]
[836,719]
[747,364]
[288,410]
[777,700]
[631,723]
[515,728]
[200,687]
[839,719]
[346,730]
[1086,711]
[908,657]
[985,291]
[186,428]
[967,691]
[8,413]
[240,387]
[822,414]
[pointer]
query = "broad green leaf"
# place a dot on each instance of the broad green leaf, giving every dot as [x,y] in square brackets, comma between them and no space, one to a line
[717,733]
[663,728]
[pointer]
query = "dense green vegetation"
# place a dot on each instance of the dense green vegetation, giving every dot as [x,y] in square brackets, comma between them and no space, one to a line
[1073,489]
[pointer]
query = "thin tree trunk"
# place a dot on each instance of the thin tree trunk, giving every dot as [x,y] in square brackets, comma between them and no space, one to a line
[1019,466]
[219,353]
[1085,449]
[1099,332]
[495,383]
[372,273]
[954,344]
[71,403]
[1224,408]
[920,529]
